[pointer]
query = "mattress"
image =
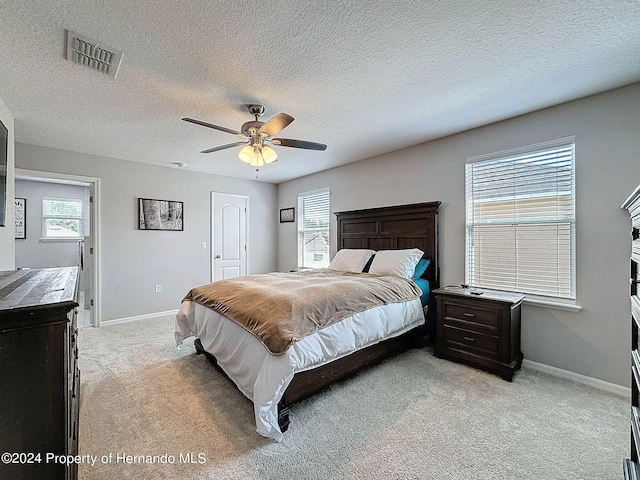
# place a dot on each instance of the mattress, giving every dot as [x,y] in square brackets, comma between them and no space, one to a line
[262,377]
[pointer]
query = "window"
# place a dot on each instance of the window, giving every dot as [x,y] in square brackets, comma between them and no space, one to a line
[313,229]
[521,220]
[61,218]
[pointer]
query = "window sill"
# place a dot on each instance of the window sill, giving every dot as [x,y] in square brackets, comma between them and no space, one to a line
[538,302]
[61,239]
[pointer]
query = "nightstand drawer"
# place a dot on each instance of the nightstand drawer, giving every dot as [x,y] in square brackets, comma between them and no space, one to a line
[486,344]
[490,318]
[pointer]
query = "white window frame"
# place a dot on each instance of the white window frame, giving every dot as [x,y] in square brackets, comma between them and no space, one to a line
[313,203]
[45,217]
[564,289]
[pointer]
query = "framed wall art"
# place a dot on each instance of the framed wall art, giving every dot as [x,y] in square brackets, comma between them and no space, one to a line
[20,214]
[287,215]
[160,214]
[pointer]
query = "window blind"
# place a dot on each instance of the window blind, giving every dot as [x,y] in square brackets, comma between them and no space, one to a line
[520,228]
[313,228]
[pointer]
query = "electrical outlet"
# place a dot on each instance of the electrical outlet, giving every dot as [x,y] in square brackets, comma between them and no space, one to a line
[158,288]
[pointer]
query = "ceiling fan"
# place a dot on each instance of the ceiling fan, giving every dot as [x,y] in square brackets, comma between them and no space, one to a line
[256,135]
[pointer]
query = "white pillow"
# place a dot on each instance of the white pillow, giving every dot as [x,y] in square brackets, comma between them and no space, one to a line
[401,263]
[351,260]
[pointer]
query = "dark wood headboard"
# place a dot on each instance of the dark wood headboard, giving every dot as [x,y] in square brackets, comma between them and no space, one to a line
[391,228]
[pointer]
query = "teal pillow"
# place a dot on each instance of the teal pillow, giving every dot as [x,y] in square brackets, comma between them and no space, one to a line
[423,285]
[421,267]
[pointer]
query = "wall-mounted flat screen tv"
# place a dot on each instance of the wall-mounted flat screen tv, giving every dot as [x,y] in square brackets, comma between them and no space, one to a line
[4,141]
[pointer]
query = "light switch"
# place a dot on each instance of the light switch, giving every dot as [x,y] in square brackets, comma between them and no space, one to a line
[203,245]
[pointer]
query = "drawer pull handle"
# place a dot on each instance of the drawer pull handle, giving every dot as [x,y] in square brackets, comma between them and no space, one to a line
[469,339]
[469,314]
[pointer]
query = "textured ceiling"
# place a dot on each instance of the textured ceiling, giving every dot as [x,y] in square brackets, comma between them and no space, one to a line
[364,77]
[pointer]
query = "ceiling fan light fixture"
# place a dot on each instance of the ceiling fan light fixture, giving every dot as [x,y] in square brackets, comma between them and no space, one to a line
[257,155]
[247,154]
[268,154]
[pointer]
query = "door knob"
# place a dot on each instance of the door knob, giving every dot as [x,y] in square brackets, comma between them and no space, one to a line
[217,256]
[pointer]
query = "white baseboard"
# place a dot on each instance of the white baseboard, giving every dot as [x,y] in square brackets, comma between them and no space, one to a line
[106,323]
[576,377]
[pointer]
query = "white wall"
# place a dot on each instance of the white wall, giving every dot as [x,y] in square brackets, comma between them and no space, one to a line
[593,342]
[7,233]
[134,261]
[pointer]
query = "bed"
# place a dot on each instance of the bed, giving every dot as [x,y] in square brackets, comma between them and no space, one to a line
[274,381]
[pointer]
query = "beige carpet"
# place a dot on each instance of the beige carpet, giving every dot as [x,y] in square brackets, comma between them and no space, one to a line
[412,417]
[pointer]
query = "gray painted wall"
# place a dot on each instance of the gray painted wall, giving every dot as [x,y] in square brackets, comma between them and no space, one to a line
[7,233]
[31,252]
[134,261]
[593,342]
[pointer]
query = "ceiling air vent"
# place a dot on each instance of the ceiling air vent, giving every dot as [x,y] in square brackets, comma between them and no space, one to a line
[87,52]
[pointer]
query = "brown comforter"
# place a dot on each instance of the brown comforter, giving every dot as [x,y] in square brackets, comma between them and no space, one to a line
[280,308]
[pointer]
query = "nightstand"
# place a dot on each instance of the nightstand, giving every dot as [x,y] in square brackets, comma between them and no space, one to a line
[482,331]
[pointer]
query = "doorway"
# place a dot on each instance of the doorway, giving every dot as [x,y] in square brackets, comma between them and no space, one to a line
[229,250]
[88,249]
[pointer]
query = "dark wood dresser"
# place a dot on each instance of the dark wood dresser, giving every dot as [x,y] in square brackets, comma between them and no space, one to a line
[39,375]
[479,330]
[631,467]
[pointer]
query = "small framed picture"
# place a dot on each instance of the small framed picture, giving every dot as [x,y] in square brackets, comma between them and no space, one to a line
[287,215]
[20,213]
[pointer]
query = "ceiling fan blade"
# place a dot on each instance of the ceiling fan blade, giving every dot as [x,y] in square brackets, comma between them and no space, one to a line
[287,142]
[223,147]
[276,124]
[210,125]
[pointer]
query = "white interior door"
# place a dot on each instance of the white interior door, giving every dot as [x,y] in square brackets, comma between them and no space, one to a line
[229,232]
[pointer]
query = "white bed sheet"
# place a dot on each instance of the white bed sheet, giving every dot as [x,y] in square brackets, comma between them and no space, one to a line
[263,377]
